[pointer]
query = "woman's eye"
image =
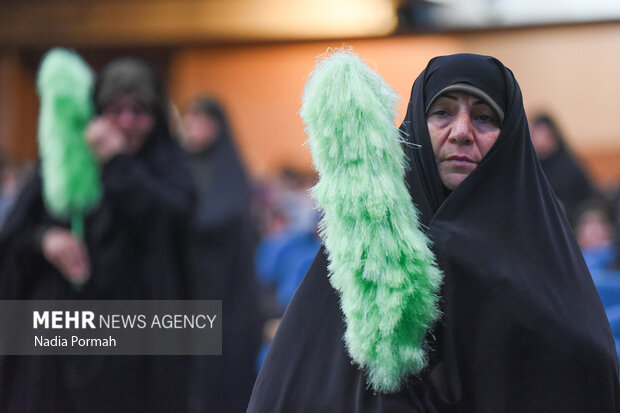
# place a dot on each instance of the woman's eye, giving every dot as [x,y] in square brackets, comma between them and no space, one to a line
[486,118]
[440,112]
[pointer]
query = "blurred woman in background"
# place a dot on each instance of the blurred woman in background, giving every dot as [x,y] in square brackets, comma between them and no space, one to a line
[567,177]
[133,248]
[223,239]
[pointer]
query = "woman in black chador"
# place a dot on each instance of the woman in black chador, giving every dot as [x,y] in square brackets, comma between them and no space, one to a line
[568,179]
[522,328]
[133,248]
[222,259]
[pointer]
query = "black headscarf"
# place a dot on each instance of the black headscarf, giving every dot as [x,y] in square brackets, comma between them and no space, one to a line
[522,329]
[130,75]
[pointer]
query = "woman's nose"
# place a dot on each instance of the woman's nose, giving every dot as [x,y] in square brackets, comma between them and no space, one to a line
[125,118]
[462,130]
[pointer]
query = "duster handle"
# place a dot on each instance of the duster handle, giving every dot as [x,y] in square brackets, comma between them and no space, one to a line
[77,227]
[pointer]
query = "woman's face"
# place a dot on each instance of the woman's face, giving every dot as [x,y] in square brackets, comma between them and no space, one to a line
[462,128]
[132,117]
[593,230]
[544,141]
[200,131]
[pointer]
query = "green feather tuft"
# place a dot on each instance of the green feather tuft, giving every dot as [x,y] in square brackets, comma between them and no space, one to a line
[71,184]
[379,259]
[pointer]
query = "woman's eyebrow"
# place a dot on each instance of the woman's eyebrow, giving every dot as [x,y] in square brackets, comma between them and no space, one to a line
[449,96]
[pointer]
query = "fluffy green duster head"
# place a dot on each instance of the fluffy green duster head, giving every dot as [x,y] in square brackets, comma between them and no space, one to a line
[379,259]
[71,185]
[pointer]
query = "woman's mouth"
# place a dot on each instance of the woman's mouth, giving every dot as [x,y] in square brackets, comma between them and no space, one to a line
[460,159]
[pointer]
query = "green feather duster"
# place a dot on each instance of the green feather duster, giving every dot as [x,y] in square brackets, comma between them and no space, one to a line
[379,259]
[71,184]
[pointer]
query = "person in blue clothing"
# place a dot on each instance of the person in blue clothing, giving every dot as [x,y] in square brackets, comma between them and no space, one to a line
[284,255]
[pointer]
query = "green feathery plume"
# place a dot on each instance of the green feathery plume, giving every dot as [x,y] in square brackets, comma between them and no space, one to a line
[71,184]
[379,259]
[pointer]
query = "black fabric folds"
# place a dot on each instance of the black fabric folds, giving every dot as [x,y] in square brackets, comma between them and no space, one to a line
[523,329]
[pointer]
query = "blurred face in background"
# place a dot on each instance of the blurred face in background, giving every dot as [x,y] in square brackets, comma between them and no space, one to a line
[462,128]
[545,143]
[200,131]
[132,117]
[593,229]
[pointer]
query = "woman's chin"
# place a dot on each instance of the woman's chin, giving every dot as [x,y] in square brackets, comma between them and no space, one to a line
[453,179]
